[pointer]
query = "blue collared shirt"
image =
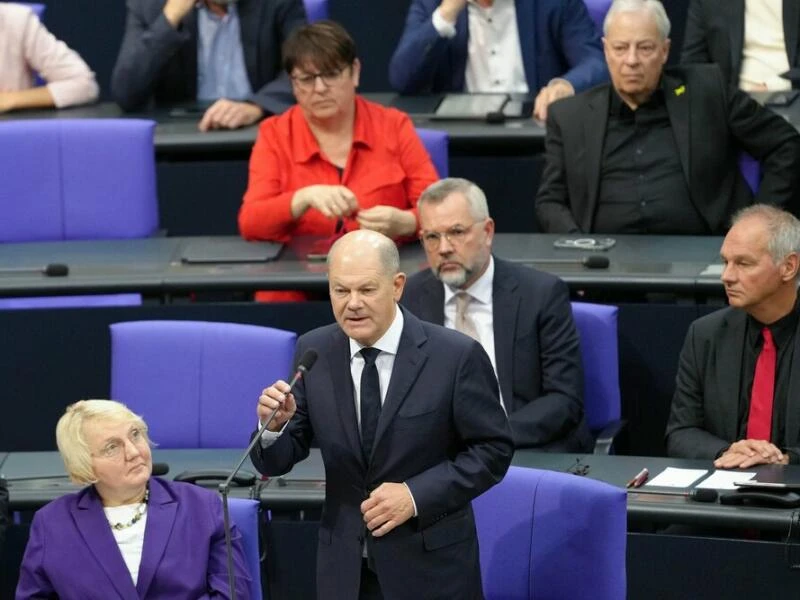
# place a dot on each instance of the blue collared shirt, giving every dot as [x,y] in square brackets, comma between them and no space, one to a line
[221,72]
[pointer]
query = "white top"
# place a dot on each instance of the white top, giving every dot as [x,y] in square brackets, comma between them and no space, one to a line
[131,539]
[494,56]
[764,52]
[26,48]
[479,310]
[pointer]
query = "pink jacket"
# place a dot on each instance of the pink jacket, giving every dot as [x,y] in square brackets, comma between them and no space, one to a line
[26,48]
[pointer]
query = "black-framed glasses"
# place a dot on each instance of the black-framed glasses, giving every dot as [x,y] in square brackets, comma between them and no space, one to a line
[455,236]
[328,78]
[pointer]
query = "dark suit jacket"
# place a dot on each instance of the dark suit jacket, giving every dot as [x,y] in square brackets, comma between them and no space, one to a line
[704,418]
[3,514]
[537,352]
[711,124]
[715,34]
[557,39]
[441,431]
[72,553]
[158,62]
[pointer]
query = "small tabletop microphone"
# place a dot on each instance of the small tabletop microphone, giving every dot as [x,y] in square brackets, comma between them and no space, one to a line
[50,270]
[701,495]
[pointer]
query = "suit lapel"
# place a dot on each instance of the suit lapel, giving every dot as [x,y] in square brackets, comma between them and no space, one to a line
[526,28]
[161,512]
[190,23]
[676,97]
[595,121]
[791,25]
[249,20]
[729,360]
[93,526]
[505,306]
[792,432]
[734,22]
[344,394]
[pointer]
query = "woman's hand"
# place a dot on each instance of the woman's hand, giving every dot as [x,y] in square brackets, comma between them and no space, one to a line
[388,220]
[333,201]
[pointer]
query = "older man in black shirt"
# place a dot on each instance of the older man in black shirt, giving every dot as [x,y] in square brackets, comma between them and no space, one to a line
[657,151]
[737,392]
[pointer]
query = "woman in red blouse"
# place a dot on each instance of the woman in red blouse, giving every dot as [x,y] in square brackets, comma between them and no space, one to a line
[335,162]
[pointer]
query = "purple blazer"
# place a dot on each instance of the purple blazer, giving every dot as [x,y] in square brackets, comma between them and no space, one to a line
[72,553]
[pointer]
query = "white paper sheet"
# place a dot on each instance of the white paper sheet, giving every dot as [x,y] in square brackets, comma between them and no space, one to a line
[723,480]
[678,478]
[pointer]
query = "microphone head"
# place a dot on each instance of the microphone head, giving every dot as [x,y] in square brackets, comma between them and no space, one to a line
[56,270]
[704,495]
[160,469]
[307,360]
[595,261]
[495,117]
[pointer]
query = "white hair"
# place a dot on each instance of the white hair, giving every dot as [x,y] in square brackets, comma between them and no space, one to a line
[654,7]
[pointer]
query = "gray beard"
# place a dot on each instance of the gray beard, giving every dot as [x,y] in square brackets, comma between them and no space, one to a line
[454,279]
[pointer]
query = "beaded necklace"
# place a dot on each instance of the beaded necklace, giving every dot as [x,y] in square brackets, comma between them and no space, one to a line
[137,516]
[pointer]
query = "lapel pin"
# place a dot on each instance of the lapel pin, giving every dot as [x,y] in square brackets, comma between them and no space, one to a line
[680,90]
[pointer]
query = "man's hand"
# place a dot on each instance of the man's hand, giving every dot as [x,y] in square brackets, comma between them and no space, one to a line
[176,10]
[388,220]
[555,90]
[7,101]
[276,396]
[450,9]
[333,201]
[747,453]
[388,506]
[229,114]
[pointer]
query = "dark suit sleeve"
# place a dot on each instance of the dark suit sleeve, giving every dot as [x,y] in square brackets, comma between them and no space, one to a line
[484,440]
[695,40]
[581,46]
[413,65]
[552,201]
[146,48]
[686,436]
[559,409]
[3,514]
[33,581]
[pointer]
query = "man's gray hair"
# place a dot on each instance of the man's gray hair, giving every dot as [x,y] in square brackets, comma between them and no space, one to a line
[437,192]
[783,229]
[654,7]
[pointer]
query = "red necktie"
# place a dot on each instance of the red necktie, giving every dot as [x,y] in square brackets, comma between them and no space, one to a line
[759,423]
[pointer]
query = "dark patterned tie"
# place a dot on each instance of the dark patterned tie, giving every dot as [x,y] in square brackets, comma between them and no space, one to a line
[370,400]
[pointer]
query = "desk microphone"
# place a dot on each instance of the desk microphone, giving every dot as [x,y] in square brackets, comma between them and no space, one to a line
[304,366]
[591,261]
[50,270]
[698,495]
[495,117]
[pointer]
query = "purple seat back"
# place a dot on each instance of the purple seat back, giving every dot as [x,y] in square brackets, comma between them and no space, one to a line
[436,143]
[244,514]
[70,301]
[38,9]
[597,11]
[597,329]
[549,535]
[751,171]
[197,383]
[316,10]
[78,179]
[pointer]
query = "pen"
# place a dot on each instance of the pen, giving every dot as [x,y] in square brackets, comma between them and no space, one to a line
[639,480]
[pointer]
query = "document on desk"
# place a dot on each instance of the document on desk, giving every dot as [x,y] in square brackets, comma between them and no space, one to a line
[713,270]
[677,478]
[724,480]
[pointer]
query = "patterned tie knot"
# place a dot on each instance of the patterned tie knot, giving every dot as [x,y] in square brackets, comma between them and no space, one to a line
[462,300]
[369,355]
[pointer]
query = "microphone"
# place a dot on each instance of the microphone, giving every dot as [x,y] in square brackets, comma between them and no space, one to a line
[304,366]
[50,270]
[701,495]
[591,261]
[495,117]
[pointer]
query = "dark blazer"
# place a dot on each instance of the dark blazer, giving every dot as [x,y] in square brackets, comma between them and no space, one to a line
[711,125]
[441,431]
[704,418]
[557,39]
[157,62]
[72,554]
[715,34]
[3,513]
[537,352]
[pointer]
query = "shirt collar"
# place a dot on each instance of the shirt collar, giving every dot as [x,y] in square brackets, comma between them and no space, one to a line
[782,329]
[305,146]
[389,341]
[617,106]
[481,290]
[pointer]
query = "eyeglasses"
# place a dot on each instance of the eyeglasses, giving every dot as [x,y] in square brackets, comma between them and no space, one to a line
[328,78]
[114,448]
[455,236]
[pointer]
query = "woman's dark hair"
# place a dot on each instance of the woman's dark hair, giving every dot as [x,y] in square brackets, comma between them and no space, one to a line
[324,44]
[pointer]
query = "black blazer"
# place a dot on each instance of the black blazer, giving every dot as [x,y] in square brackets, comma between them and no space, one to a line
[441,431]
[711,125]
[537,351]
[715,34]
[3,513]
[704,417]
[157,62]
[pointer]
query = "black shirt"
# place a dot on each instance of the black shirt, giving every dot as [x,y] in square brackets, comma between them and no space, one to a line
[642,185]
[783,333]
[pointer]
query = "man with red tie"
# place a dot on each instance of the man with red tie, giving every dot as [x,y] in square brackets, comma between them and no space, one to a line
[737,392]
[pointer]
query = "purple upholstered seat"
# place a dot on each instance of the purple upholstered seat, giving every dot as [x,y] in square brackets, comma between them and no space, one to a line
[316,10]
[197,383]
[597,10]
[548,535]
[70,301]
[77,179]
[37,8]
[436,143]
[244,513]
[597,329]
[751,171]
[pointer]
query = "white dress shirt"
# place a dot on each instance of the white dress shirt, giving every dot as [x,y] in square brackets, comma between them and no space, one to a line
[764,55]
[131,539]
[494,56]
[479,310]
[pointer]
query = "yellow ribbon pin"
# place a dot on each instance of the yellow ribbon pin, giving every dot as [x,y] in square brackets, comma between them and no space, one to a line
[680,90]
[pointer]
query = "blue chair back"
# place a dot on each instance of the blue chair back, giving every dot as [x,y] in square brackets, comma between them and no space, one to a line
[597,329]
[244,514]
[197,383]
[77,179]
[751,171]
[316,10]
[436,143]
[548,535]
[71,301]
[597,11]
